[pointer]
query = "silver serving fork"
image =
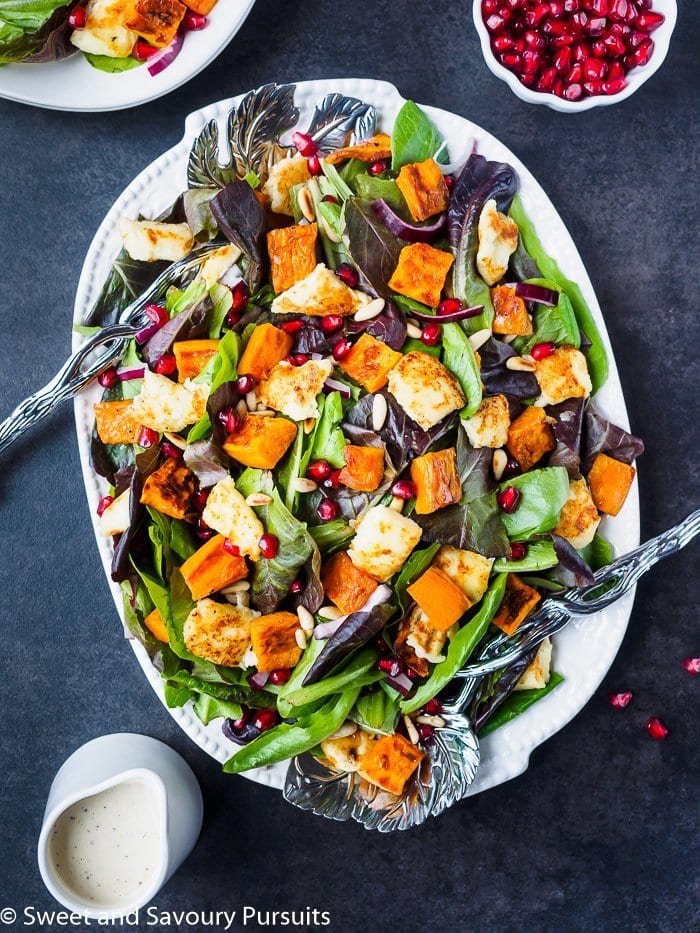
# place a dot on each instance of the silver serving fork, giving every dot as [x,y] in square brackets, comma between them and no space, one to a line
[85,364]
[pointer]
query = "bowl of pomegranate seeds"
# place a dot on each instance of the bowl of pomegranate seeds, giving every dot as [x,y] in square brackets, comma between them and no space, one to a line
[572,55]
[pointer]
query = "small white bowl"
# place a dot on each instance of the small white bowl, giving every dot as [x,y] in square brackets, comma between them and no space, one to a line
[635,78]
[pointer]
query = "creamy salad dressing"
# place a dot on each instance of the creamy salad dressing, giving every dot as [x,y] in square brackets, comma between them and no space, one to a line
[106,849]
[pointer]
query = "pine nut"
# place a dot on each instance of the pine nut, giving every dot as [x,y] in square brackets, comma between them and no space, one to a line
[411,730]
[499,462]
[379,412]
[348,728]
[332,613]
[331,234]
[437,722]
[370,310]
[251,400]
[306,204]
[242,409]
[309,424]
[263,413]
[176,439]
[300,638]
[302,484]
[241,586]
[509,338]
[520,364]
[242,600]
[396,504]
[478,339]
[306,620]
[414,331]
[258,498]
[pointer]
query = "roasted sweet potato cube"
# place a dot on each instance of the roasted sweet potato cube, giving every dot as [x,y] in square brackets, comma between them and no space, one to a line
[437,480]
[390,763]
[440,598]
[369,150]
[261,442]
[266,347]
[292,252]
[530,437]
[200,6]
[156,21]
[156,626]
[369,362]
[192,356]
[364,467]
[424,189]
[345,584]
[211,568]
[421,273]
[115,424]
[519,600]
[274,640]
[610,481]
[407,652]
[511,315]
[169,489]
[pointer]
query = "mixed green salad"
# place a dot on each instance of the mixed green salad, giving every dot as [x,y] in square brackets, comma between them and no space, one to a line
[357,446]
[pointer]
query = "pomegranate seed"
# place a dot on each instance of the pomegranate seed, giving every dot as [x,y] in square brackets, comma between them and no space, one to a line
[109,377]
[601,7]
[656,729]
[502,44]
[494,23]
[292,327]
[77,18]
[593,87]
[148,437]
[142,51]
[231,548]
[245,716]
[597,25]
[560,42]
[298,359]
[296,587]
[232,318]
[576,74]
[644,52]
[511,60]
[331,323]
[534,40]
[166,364]
[319,470]
[598,49]
[542,350]
[204,532]
[170,450]
[328,510]
[433,707]
[559,87]
[193,22]
[410,673]
[265,719]
[404,489]
[546,79]
[431,334]
[390,666]
[244,384]
[556,9]
[313,164]
[619,10]
[616,71]
[613,86]
[449,182]
[425,732]
[241,296]
[620,700]
[330,199]
[333,481]
[582,51]
[348,274]
[269,545]
[449,306]
[518,551]
[636,38]
[157,313]
[532,62]
[572,6]
[341,349]
[649,21]
[280,676]
[594,70]
[512,468]
[230,419]
[305,144]
[535,16]
[692,665]
[381,645]
[508,499]
[199,499]
[563,60]
[580,20]
[104,503]
[376,168]
[614,45]
[489,6]
[529,79]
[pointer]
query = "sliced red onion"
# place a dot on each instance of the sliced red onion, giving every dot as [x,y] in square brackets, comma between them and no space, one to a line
[332,385]
[538,293]
[145,334]
[404,230]
[125,373]
[401,682]
[317,356]
[326,629]
[381,595]
[447,318]
[160,61]
[258,680]
[232,276]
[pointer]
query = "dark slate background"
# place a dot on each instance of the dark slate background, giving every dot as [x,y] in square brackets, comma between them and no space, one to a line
[601,833]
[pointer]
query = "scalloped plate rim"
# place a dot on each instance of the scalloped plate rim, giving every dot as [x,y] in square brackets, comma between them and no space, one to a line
[504,754]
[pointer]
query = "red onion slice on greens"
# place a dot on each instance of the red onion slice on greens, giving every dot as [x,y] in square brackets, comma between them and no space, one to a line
[538,293]
[160,61]
[412,233]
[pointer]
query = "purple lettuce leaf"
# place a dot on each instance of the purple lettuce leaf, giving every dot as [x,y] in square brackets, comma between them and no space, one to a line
[243,221]
[498,379]
[572,569]
[567,433]
[602,436]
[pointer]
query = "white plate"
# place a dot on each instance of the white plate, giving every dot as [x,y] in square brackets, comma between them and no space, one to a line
[583,653]
[73,84]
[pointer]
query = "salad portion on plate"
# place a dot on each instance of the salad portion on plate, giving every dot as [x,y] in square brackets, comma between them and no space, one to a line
[357,446]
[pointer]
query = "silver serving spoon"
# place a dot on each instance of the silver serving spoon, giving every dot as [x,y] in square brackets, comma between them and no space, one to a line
[452,754]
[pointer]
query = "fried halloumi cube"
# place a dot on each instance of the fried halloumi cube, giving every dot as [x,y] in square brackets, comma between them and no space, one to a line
[425,389]
[344,754]
[105,32]
[421,273]
[164,405]
[292,252]
[170,488]
[537,674]
[383,541]
[488,426]
[390,763]
[115,422]
[562,375]
[150,240]
[116,518]
[284,175]
[418,643]
[228,513]
[510,312]
[469,570]
[274,641]
[156,21]
[218,632]
[218,263]
[292,390]
[498,239]
[579,518]
[318,294]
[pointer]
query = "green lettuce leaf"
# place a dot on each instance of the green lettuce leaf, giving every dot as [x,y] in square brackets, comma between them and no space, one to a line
[415,138]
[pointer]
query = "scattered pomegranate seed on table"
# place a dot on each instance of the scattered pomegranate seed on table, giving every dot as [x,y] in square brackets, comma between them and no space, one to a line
[656,729]
[692,665]
[620,700]
[269,546]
